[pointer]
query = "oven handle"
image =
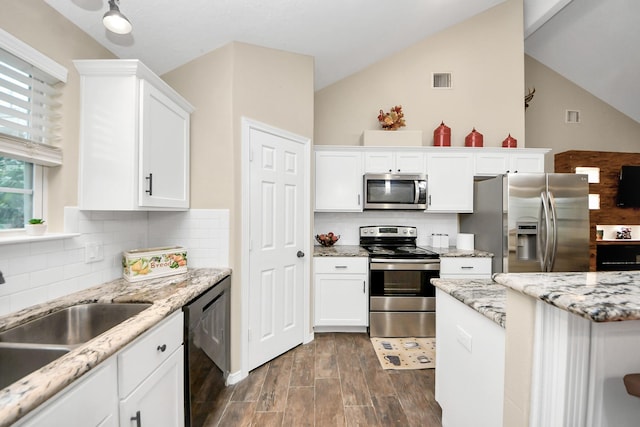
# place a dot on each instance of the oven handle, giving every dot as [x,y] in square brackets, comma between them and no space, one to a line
[378,265]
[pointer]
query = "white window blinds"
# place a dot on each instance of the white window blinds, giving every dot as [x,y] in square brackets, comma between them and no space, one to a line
[29,103]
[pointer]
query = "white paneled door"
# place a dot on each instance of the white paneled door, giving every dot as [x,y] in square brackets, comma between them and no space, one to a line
[277,259]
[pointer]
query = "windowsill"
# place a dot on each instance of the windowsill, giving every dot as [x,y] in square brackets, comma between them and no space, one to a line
[23,238]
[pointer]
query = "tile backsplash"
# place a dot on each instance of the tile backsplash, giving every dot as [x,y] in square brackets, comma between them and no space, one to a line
[38,271]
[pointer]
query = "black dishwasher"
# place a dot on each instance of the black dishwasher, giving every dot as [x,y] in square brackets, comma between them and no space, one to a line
[207,351]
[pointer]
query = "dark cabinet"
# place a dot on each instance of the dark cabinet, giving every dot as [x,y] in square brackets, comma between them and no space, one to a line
[618,257]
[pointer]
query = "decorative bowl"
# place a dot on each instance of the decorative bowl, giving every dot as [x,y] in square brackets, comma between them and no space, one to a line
[327,239]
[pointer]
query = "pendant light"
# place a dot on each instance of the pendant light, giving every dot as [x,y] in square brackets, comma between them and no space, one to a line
[115,21]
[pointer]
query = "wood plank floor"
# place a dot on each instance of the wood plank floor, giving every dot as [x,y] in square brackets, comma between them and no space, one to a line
[336,380]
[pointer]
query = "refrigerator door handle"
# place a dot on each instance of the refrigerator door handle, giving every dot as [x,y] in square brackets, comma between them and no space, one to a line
[544,262]
[554,222]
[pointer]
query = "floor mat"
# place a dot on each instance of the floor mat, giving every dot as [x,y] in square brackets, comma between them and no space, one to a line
[405,353]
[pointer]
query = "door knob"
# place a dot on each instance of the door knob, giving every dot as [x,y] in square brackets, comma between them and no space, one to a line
[300,254]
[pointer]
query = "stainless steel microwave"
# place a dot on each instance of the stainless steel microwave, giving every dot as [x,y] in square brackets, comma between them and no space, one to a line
[395,191]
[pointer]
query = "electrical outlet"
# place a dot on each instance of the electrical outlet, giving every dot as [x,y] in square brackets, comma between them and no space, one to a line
[464,338]
[93,252]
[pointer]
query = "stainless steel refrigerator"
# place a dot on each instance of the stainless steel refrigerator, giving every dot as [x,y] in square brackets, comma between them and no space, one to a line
[532,222]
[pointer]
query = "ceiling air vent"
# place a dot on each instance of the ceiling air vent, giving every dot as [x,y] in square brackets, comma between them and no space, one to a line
[441,80]
[572,116]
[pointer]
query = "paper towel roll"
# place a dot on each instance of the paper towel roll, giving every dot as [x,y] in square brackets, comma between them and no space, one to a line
[465,241]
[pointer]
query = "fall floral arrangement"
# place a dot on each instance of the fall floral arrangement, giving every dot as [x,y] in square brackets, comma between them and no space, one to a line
[392,120]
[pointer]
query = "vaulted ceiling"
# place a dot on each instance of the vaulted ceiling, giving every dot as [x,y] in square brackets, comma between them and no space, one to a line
[590,42]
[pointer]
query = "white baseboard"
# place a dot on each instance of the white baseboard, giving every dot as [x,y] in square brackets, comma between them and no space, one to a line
[235,377]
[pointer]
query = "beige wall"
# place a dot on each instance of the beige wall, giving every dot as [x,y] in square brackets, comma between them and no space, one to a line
[44,29]
[602,127]
[485,55]
[239,80]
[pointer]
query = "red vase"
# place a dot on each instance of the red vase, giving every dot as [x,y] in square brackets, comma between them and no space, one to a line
[510,142]
[442,136]
[474,139]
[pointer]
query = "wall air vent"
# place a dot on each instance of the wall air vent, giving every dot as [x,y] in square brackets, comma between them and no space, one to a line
[441,80]
[572,116]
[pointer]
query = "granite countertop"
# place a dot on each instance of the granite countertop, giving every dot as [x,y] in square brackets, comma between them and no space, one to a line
[598,296]
[167,294]
[483,295]
[454,252]
[339,250]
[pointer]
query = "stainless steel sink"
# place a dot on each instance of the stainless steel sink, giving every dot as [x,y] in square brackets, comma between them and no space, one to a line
[32,345]
[72,326]
[18,362]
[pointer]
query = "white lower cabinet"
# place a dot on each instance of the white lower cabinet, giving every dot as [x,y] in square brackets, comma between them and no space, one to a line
[341,292]
[151,377]
[469,365]
[465,267]
[89,401]
[159,399]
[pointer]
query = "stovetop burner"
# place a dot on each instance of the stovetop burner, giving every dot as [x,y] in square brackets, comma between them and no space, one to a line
[393,242]
[400,252]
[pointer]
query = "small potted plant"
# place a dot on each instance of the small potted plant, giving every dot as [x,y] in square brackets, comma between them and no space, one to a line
[36,227]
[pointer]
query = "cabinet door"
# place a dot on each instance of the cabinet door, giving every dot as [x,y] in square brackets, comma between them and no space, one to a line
[491,163]
[164,151]
[394,162]
[159,400]
[90,401]
[526,162]
[450,182]
[339,181]
[341,300]
[410,162]
[379,162]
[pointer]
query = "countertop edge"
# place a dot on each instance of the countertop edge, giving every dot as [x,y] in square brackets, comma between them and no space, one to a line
[484,296]
[609,296]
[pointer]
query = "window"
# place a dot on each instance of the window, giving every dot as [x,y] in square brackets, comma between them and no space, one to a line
[20,192]
[29,113]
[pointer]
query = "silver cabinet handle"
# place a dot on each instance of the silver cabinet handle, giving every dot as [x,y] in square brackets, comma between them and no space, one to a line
[137,419]
[162,348]
[466,267]
[358,200]
[341,266]
[363,287]
[150,179]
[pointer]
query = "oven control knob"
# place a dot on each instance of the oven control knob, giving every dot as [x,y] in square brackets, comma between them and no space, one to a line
[405,231]
[412,231]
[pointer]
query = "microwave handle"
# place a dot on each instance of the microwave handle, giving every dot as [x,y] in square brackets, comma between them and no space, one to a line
[416,185]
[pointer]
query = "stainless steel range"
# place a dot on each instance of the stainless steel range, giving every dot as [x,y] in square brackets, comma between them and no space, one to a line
[402,299]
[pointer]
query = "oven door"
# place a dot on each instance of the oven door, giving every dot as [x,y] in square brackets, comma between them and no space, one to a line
[392,191]
[402,285]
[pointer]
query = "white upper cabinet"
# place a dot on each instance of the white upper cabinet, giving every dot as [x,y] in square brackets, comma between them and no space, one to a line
[498,161]
[134,139]
[450,181]
[339,182]
[450,172]
[394,162]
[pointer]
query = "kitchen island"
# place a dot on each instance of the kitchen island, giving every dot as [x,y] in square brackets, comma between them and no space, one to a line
[569,340]
[167,295]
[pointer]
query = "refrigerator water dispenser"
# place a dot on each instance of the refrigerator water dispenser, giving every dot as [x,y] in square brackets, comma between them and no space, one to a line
[526,236]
